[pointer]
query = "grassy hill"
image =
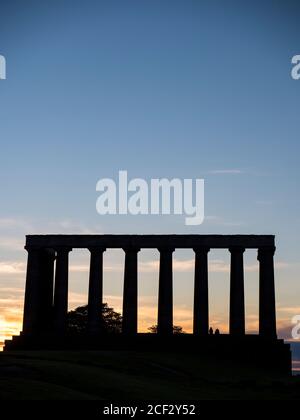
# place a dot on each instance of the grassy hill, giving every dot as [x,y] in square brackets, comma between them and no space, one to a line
[131,375]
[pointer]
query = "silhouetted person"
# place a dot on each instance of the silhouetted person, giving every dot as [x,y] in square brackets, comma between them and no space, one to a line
[211,331]
[217,332]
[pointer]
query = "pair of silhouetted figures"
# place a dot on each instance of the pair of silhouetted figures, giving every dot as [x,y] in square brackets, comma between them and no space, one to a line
[211,331]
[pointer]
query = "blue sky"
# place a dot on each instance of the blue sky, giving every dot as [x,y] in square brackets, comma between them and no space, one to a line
[183,89]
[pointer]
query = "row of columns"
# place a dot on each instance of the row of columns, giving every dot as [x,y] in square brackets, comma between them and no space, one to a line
[44,311]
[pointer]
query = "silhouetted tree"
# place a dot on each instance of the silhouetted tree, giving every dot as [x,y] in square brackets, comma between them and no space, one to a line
[176,329]
[78,318]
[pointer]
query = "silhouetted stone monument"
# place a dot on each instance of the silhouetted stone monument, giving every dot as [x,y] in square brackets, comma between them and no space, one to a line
[46,294]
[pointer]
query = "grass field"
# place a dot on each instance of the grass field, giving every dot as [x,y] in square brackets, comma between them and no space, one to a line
[125,375]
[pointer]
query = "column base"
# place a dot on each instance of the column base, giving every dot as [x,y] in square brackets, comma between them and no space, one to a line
[272,354]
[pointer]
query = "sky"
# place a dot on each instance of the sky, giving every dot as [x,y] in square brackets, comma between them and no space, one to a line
[183,89]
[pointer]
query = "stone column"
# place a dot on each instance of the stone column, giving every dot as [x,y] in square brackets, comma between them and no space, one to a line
[201,318]
[61,290]
[237,298]
[267,312]
[165,292]
[46,289]
[31,302]
[95,299]
[130,293]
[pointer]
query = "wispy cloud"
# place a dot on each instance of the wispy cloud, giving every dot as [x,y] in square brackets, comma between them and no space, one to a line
[14,223]
[184,265]
[12,267]
[12,243]
[13,230]
[295,310]
[69,226]
[215,266]
[226,172]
